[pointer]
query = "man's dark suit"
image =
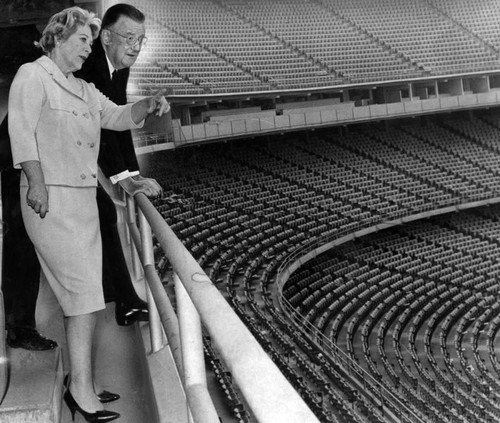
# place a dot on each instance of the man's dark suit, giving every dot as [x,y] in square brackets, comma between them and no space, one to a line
[20,270]
[117,152]
[116,155]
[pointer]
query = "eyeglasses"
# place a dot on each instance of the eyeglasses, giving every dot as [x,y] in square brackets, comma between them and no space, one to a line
[132,40]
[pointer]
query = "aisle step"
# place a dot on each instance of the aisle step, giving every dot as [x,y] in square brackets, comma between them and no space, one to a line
[35,387]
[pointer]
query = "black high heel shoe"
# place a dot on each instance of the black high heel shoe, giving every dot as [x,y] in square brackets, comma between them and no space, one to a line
[129,314]
[99,416]
[104,396]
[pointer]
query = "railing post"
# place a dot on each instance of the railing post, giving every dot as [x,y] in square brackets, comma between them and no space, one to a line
[195,380]
[156,329]
[131,219]
[156,290]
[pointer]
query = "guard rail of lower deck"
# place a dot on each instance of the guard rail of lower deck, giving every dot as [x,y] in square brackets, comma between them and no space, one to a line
[267,392]
[331,240]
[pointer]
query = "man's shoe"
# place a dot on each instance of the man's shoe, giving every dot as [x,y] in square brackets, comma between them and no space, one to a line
[126,315]
[29,339]
[104,396]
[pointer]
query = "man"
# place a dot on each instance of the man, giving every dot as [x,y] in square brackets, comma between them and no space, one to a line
[21,270]
[121,39]
[20,267]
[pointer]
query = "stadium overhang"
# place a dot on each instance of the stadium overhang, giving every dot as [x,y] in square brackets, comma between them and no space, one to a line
[203,99]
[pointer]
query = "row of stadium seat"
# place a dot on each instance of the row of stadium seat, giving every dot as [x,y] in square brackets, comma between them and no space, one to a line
[324,43]
[242,209]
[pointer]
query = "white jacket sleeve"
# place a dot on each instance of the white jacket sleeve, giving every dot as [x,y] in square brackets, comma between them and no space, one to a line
[26,98]
[114,117]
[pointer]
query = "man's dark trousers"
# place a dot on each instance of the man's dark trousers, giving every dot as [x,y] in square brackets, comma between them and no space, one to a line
[116,277]
[21,269]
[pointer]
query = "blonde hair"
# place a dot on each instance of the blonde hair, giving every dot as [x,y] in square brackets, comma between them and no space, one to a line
[63,24]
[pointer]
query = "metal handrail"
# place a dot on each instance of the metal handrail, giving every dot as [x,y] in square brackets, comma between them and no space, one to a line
[148,261]
[188,332]
[195,381]
[200,408]
[267,392]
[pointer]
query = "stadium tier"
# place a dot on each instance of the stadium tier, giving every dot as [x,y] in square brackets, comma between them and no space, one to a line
[230,46]
[415,306]
[334,168]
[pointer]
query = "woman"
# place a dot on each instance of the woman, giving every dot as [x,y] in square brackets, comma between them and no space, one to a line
[54,125]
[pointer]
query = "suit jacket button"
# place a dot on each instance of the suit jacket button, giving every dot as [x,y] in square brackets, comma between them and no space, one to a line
[75,112]
[83,176]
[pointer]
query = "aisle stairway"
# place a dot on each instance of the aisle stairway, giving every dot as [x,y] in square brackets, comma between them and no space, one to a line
[35,387]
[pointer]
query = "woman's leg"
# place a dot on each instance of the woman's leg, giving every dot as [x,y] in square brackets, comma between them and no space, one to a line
[79,334]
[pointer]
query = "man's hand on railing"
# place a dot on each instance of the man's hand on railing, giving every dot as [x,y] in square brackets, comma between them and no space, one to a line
[153,184]
[136,184]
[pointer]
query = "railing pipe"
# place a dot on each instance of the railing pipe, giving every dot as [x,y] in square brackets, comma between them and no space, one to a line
[195,380]
[155,325]
[167,314]
[147,255]
[269,395]
[134,233]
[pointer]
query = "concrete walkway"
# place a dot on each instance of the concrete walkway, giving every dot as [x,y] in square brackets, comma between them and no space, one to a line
[118,363]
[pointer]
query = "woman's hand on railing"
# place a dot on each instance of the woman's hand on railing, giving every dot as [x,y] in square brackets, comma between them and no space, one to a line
[137,184]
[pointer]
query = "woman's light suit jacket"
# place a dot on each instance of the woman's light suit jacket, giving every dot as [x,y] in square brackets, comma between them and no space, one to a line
[57,121]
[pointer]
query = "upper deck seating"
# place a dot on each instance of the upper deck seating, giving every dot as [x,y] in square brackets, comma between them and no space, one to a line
[236,45]
[327,38]
[480,17]
[420,32]
[212,27]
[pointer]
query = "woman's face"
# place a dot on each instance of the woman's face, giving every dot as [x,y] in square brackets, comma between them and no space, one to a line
[73,51]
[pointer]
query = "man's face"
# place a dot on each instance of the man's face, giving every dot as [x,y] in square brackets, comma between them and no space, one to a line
[120,53]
